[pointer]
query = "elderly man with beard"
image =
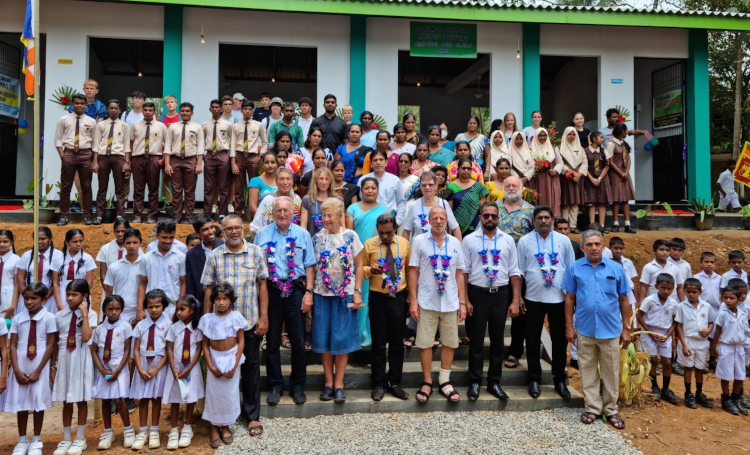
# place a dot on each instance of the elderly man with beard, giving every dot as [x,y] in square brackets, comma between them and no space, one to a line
[243,266]
[515,219]
[490,270]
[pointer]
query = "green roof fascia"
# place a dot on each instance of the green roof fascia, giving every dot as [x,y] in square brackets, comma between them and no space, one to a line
[475,13]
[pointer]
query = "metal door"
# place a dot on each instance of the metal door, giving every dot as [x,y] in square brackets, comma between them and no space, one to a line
[10,65]
[669,171]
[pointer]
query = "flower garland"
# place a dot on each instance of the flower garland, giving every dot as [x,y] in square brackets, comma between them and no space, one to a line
[392,285]
[444,261]
[548,272]
[348,265]
[490,270]
[270,250]
[318,217]
[411,191]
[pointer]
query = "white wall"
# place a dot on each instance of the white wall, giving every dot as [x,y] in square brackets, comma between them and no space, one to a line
[387,36]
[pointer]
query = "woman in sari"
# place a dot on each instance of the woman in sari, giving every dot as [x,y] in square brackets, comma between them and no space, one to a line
[353,154]
[463,150]
[382,142]
[478,142]
[421,162]
[361,218]
[547,180]
[468,196]
[399,143]
[438,153]
[413,136]
[409,181]
[263,185]
[348,192]
[498,149]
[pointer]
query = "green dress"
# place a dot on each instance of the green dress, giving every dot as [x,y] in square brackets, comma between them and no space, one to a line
[466,205]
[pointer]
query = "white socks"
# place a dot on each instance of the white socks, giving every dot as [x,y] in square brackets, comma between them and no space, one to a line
[36,439]
[627,222]
[186,427]
[156,428]
[24,439]
[81,433]
[143,429]
[444,376]
[66,434]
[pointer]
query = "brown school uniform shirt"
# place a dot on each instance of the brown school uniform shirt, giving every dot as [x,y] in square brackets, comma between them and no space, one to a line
[193,139]
[120,137]
[66,131]
[158,142]
[223,134]
[256,137]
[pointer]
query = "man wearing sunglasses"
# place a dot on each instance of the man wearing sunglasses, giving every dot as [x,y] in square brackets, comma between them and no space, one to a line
[493,281]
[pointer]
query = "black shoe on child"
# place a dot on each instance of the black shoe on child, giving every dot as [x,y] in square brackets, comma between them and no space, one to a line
[729,405]
[690,400]
[738,404]
[677,368]
[656,391]
[703,401]
[669,396]
[629,229]
[615,228]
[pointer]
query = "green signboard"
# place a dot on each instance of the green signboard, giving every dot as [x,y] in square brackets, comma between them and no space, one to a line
[668,110]
[439,39]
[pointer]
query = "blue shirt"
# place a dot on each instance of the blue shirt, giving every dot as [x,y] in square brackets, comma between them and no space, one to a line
[305,256]
[96,110]
[597,292]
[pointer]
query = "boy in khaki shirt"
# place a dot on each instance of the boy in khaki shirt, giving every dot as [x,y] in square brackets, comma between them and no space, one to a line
[111,147]
[183,161]
[249,141]
[148,139]
[218,134]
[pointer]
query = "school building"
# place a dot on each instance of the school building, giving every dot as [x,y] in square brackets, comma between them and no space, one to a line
[381,55]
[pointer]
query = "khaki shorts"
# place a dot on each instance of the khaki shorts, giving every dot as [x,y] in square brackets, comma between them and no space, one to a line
[429,321]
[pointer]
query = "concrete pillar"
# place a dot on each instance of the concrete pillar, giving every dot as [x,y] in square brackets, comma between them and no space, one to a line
[698,116]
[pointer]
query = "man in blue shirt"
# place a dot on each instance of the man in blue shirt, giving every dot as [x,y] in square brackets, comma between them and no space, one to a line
[94,108]
[597,291]
[289,296]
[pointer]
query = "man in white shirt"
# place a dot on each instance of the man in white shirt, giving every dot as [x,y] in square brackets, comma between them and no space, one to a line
[305,118]
[725,185]
[237,100]
[438,300]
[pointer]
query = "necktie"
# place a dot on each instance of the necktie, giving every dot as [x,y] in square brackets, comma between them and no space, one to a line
[148,134]
[31,342]
[391,263]
[71,270]
[182,140]
[109,138]
[119,254]
[186,347]
[244,138]
[213,143]
[150,342]
[72,333]
[108,346]
[77,134]
[39,273]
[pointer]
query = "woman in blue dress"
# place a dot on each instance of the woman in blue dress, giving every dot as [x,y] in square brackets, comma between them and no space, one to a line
[353,154]
[263,185]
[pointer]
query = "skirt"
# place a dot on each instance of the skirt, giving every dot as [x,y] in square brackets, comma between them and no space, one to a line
[601,194]
[75,375]
[622,190]
[32,397]
[172,392]
[154,387]
[571,191]
[223,394]
[548,188]
[335,326]
[111,390]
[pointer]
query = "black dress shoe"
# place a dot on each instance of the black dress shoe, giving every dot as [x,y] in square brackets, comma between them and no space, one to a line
[562,390]
[575,231]
[298,396]
[339,396]
[377,393]
[534,391]
[615,228]
[274,397]
[473,392]
[398,392]
[327,394]
[574,363]
[497,391]
[629,229]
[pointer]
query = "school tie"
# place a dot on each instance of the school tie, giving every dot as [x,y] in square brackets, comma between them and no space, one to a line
[71,270]
[148,134]
[119,254]
[40,269]
[186,347]
[244,138]
[391,263]
[77,135]
[108,346]
[182,140]
[110,137]
[31,342]
[72,332]
[213,143]
[150,342]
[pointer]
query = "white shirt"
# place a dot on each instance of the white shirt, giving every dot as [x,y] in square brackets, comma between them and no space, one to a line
[309,165]
[733,328]
[10,261]
[305,125]
[390,194]
[268,121]
[121,334]
[684,267]
[62,320]
[131,117]
[215,327]
[176,334]
[176,244]
[31,269]
[631,273]
[710,286]
[427,296]
[124,278]
[418,211]
[110,253]
[82,264]
[732,274]
[656,314]
[160,335]
[529,266]
[237,115]
[653,269]
[693,319]
[45,324]
[507,265]
[726,180]
[607,253]
[164,272]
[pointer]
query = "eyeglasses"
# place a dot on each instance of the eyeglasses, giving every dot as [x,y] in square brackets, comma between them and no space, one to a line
[232,229]
[427,185]
[489,216]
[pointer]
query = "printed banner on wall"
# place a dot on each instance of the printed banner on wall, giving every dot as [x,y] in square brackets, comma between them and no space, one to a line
[435,39]
[10,96]
[742,169]
[668,110]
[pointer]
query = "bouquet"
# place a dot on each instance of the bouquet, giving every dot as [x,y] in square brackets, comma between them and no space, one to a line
[63,96]
[624,114]
[552,130]
[541,163]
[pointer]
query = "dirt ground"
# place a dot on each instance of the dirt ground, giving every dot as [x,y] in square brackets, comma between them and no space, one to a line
[654,427]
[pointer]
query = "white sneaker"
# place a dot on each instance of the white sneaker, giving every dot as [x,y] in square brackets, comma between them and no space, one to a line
[214,209]
[140,441]
[174,437]
[128,437]
[77,447]
[106,439]
[185,437]
[153,440]
[22,448]
[62,448]
[35,448]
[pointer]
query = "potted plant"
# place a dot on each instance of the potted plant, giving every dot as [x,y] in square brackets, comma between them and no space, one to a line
[167,198]
[110,212]
[653,223]
[745,212]
[704,213]
[47,205]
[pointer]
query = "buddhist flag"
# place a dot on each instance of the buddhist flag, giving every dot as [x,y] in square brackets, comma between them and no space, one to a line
[742,169]
[29,53]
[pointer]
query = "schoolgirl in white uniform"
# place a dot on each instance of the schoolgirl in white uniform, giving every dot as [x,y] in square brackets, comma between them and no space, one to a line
[76,264]
[47,264]
[8,262]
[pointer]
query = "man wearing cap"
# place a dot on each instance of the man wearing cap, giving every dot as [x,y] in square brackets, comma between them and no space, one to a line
[275,116]
[287,124]
[238,98]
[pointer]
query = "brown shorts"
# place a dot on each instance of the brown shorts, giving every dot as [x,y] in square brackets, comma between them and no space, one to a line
[430,321]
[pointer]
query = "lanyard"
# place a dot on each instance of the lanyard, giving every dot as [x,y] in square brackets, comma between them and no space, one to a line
[495,238]
[398,249]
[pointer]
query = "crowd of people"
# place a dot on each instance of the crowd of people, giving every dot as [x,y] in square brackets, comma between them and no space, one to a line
[389,245]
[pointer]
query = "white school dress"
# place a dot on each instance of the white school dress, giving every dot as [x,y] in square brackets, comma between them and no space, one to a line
[36,396]
[121,333]
[176,334]
[7,279]
[74,268]
[124,278]
[51,260]
[75,369]
[154,387]
[222,394]
[4,333]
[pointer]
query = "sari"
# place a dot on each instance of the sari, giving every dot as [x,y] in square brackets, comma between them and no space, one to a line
[353,160]
[417,170]
[466,205]
[476,145]
[476,171]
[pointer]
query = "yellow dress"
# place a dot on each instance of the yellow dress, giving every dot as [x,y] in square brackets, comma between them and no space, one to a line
[497,194]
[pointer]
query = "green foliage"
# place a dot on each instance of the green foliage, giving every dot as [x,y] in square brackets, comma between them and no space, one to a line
[44,199]
[111,202]
[648,210]
[403,110]
[699,206]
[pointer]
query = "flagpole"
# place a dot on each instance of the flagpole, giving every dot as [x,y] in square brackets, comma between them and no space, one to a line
[37,131]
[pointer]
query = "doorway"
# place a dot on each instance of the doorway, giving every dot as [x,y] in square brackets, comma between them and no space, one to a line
[568,85]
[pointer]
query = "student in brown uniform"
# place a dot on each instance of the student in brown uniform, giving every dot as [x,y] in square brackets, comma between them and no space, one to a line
[218,135]
[73,143]
[111,146]
[596,188]
[183,161]
[249,141]
[618,153]
[148,139]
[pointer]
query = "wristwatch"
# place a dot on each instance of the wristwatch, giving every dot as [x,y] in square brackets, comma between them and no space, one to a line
[358,290]
[309,290]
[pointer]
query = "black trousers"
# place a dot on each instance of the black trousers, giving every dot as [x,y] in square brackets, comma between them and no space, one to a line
[518,330]
[489,309]
[535,313]
[250,376]
[287,310]
[387,323]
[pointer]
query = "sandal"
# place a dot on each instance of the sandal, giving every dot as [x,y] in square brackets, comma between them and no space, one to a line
[227,439]
[510,363]
[216,443]
[258,427]
[265,344]
[588,418]
[436,344]
[616,421]
[409,342]
[420,393]
[308,346]
[286,344]
[463,341]
[450,394]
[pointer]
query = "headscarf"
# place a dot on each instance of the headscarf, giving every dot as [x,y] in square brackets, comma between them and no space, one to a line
[543,150]
[498,152]
[573,153]
[521,160]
